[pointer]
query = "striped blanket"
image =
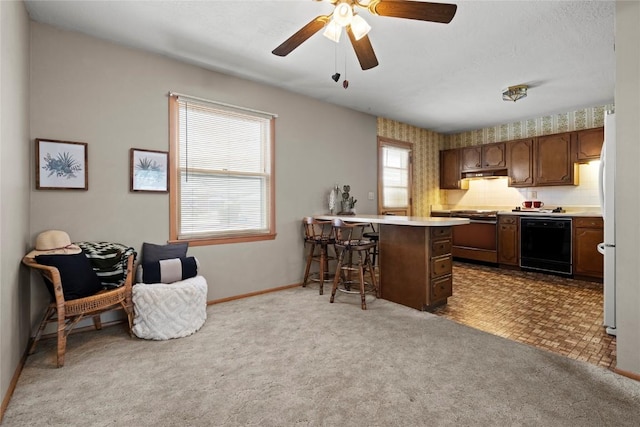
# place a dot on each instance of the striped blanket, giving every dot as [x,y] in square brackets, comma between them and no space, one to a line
[109,261]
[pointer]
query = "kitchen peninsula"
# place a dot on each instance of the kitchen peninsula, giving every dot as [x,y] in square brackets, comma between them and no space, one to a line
[414,257]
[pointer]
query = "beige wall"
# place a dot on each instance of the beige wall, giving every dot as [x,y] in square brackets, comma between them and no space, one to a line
[14,187]
[426,147]
[628,184]
[115,98]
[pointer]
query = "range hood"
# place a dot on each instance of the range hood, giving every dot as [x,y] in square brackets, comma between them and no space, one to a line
[485,174]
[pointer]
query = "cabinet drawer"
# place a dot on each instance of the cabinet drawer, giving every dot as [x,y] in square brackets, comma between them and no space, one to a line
[441,288]
[440,247]
[437,232]
[441,265]
[591,222]
[507,219]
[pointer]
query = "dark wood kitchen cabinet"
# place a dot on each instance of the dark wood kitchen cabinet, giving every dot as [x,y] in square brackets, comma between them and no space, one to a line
[554,163]
[587,261]
[508,240]
[494,156]
[481,157]
[471,158]
[589,144]
[450,169]
[520,162]
[416,269]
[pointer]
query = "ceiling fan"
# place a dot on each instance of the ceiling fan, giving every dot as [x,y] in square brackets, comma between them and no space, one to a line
[345,15]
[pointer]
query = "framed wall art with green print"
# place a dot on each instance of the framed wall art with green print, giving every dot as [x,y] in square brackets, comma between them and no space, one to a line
[149,170]
[61,165]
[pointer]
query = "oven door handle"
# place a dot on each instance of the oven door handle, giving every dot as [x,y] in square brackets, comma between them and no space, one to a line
[482,221]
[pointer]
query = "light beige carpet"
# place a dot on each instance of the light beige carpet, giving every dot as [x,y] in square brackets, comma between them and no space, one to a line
[291,358]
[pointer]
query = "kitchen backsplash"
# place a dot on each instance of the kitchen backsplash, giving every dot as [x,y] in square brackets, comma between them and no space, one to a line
[495,192]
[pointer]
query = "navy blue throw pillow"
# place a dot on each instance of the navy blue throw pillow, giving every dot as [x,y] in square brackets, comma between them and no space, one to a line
[77,276]
[153,253]
[168,270]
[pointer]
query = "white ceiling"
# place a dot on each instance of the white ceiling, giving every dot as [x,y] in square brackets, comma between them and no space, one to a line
[443,77]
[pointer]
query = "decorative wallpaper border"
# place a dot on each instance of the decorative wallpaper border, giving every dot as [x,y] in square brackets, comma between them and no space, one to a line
[586,118]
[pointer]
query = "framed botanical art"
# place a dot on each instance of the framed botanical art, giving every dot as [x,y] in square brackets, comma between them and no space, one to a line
[61,165]
[149,170]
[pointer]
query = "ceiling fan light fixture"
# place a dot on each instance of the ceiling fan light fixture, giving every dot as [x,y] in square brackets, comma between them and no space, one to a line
[514,93]
[359,27]
[343,14]
[332,31]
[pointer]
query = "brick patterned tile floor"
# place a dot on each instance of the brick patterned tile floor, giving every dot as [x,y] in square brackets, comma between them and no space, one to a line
[549,312]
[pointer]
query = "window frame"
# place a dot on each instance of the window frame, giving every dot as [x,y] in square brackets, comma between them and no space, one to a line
[174,184]
[383,210]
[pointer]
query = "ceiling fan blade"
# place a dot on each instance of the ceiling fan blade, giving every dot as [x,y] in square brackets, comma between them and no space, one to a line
[422,11]
[364,50]
[299,37]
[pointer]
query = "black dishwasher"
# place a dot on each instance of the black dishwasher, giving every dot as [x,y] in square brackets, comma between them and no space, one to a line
[545,244]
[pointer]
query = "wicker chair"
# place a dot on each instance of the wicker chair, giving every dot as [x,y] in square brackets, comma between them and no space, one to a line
[68,313]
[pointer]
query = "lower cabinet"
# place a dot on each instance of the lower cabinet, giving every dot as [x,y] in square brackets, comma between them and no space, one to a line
[587,261]
[416,265]
[508,240]
[441,283]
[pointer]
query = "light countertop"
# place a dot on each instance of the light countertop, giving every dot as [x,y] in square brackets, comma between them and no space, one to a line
[416,221]
[552,214]
[568,213]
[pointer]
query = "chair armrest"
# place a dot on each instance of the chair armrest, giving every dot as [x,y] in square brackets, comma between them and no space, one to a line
[53,275]
[128,281]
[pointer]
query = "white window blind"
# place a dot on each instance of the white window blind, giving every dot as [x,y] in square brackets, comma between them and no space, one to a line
[224,171]
[395,172]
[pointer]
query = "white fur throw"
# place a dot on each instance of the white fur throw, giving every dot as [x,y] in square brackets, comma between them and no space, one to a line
[163,311]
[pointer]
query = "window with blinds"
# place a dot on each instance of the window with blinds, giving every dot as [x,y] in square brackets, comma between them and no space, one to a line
[395,176]
[222,166]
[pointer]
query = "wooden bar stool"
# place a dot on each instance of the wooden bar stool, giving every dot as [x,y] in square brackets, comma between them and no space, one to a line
[374,236]
[354,256]
[318,234]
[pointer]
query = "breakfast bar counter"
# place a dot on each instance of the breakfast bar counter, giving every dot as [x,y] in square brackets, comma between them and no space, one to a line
[415,260]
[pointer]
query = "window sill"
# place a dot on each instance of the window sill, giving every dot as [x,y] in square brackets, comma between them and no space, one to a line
[225,240]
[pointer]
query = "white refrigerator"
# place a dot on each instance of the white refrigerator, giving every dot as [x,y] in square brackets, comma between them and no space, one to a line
[607,202]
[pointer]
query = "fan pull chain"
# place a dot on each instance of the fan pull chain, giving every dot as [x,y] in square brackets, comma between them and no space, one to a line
[345,82]
[336,74]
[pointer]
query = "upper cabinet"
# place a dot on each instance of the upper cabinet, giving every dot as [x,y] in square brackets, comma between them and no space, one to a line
[494,156]
[520,162]
[530,162]
[589,144]
[450,169]
[554,163]
[471,158]
[486,156]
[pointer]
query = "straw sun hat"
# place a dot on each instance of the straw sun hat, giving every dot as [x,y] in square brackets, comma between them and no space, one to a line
[53,242]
